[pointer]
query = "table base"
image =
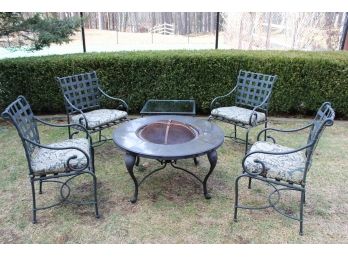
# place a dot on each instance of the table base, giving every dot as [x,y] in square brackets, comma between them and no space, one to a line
[131,160]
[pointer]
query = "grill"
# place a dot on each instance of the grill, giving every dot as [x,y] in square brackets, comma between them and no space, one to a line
[167,132]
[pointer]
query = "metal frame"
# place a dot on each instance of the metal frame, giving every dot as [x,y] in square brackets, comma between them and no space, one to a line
[126,139]
[21,115]
[82,92]
[132,159]
[252,91]
[324,117]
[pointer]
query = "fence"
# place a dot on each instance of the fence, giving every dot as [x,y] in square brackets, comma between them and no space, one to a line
[165,29]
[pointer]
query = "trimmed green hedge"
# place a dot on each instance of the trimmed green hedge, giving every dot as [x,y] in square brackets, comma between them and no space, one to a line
[305,79]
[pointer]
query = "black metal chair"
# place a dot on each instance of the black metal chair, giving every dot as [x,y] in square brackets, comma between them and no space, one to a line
[82,94]
[282,167]
[49,163]
[252,96]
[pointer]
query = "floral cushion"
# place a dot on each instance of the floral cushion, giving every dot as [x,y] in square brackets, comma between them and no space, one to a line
[45,161]
[288,167]
[99,117]
[237,114]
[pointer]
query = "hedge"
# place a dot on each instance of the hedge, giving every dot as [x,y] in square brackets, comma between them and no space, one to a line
[305,79]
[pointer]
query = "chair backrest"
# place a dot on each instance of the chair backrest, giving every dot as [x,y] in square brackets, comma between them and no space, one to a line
[21,115]
[81,90]
[325,117]
[254,88]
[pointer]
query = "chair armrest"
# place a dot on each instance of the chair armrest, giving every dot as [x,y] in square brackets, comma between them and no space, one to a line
[64,125]
[123,103]
[64,148]
[282,131]
[213,103]
[270,153]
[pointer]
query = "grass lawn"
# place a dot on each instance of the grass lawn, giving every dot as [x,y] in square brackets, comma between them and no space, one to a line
[171,207]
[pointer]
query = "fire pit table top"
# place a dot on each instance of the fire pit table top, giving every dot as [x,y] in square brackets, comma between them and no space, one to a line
[168,137]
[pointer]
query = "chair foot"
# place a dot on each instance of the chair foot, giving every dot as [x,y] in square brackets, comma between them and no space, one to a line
[235,214]
[207,196]
[34,221]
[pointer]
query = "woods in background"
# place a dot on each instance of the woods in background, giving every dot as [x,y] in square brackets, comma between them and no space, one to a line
[184,22]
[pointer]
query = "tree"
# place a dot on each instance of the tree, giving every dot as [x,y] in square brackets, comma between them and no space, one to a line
[36,32]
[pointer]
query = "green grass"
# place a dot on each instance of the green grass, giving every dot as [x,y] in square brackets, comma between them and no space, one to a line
[171,207]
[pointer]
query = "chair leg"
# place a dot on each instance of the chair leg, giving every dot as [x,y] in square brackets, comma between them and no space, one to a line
[69,131]
[266,130]
[236,198]
[301,212]
[34,201]
[40,189]
[195,160]
[235,132]
[95,195]
[249,183]
[92,159]
[99,135]
[246,151]
[247,140]
[137,160]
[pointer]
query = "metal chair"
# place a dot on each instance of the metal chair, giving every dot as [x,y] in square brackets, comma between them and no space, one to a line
[282,167]
[82,94]
[252,95]
[49,163]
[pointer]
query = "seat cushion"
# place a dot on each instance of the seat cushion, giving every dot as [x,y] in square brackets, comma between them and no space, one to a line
[99,117]
[46,161]
[237,114]
[289,167]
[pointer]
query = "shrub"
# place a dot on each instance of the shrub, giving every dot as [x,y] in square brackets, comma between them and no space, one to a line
[305,79]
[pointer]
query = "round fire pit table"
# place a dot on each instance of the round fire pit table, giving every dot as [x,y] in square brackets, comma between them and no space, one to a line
[168,138]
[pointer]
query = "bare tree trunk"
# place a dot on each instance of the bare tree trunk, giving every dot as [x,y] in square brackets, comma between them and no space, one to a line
[268,30]
[240,38]
[100,21]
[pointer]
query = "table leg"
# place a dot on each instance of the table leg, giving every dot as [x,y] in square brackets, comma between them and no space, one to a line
[130,161]
[212,157]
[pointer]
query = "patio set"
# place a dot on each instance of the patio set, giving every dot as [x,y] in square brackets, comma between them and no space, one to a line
[168,131]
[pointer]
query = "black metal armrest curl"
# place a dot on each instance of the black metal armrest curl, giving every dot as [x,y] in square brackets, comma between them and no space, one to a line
[64,148]
[282,131]
[64,126]
[123,103]
[215,104]
[270,153]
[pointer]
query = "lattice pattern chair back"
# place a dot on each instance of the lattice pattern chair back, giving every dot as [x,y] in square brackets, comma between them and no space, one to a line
[325,117]
[81,90]
[254,88]
[20,113]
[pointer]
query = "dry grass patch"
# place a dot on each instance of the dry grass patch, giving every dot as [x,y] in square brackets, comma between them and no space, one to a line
[171,207]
